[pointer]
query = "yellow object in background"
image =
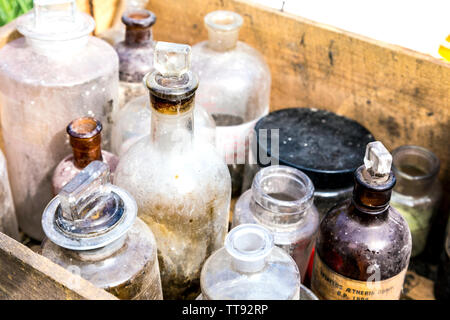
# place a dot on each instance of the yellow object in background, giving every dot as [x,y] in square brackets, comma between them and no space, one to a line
[444,49]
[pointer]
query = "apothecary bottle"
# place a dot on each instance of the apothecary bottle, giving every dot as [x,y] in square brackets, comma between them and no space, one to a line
[92,230]
[364,245]
[234,87]
[53,75]
[250,267]
[281,199]
[181,185]
[85,140]
[133,122]
[8,221]
[418,192]
[135,53]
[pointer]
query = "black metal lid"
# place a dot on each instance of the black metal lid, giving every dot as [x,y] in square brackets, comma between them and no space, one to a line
[325,146]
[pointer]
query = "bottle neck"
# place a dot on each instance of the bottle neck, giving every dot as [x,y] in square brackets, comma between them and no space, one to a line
[172,124]
[58,49]
[222,40]
[136,36]
[372,197]
[223,29]
[281,195]
[85,139]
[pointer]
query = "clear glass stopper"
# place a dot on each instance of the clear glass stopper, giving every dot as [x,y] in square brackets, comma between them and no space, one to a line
[377,160]
[249,245]
[47,12]
[172,59]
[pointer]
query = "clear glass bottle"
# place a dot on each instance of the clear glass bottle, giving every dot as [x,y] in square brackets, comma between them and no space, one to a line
[53,75]
[117,32]
[133,121]
[85,139]
[250,267]
[234,87]
[8,221]
[182,186]
[281,199]
[93,231]
[418,192]
[135,53]
[364,245]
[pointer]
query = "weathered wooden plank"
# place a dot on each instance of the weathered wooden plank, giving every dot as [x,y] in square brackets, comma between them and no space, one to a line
[400,95]
[27,275]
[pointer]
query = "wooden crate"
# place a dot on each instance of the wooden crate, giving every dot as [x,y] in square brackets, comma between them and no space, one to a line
[400,95]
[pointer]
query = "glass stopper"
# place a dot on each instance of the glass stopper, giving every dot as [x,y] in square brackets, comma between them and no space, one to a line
[377,160]
[172,59]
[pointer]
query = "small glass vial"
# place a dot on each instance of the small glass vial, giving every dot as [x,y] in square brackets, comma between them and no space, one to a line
[8,221]
[57,72]
[93,231]
[181,184]
[133,122]
[85,139]
[250,267]
[418,192]
[135,53]
[281,199]
[364,245]
[234,87]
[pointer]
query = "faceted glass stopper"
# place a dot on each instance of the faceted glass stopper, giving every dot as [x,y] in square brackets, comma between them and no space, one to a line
[377,160]
[49,13]
[78,192]
[172,59]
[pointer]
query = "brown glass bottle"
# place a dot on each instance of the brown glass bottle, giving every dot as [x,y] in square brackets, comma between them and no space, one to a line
[135,53]
[364,245]
[85,139]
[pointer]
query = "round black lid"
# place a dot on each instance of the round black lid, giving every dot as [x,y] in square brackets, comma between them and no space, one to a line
[325,146]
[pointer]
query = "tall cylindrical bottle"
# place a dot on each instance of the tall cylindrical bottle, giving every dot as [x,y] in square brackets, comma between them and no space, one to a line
[181,185]
[93,231]
[56,73]
[364,245]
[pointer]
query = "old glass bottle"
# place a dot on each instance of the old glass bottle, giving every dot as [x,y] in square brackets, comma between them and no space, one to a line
[135,53]
[53,75]
[181,185]
[85,139]
[417,193]
[281,199]
[250,267]
[8,221]
[132,123]
[234,87]
[364,245]
[93,231]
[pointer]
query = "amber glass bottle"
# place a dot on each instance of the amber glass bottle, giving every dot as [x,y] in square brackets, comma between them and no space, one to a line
[85,139]
[364,245]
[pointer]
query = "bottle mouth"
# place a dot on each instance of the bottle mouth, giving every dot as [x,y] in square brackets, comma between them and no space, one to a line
[415,163]
[84,128]
[222,20]
[139,18]
[283,189]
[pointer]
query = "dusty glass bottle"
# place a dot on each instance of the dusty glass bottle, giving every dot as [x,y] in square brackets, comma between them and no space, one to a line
[8,221]
[364,245]
[93,231]
[85,139]
[53,75]
[281,199]
[181,185]
[117,32]
[250,267]
[133,121]
[135,53]
[418,192]
[234,87]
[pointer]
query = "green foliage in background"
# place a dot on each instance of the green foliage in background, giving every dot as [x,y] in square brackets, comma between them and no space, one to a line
[11,9]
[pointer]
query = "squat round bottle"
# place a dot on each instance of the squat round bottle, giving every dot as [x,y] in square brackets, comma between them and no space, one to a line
[364,245]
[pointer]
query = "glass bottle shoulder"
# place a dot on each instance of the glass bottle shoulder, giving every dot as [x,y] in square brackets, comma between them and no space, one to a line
[137,253]
[279,280]
[135,61]
[353,244]
[20,62]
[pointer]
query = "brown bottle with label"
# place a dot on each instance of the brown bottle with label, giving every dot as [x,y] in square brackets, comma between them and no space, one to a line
[364,245]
